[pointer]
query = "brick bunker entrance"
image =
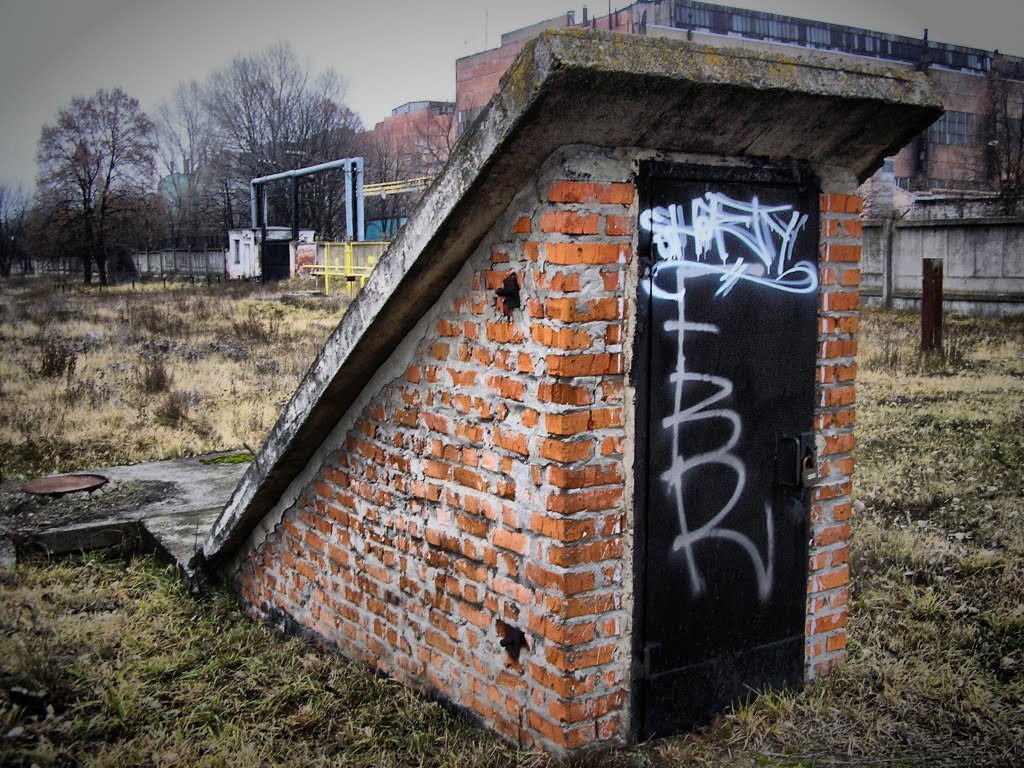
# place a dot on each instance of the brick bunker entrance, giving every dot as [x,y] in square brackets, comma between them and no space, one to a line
[578,458]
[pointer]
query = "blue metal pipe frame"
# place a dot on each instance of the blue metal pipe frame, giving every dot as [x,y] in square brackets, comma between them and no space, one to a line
[355,225]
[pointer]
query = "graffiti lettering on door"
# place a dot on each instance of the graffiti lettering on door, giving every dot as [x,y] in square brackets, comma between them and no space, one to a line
[733,240]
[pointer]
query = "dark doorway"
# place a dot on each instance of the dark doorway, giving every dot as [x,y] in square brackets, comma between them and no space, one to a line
[724,372]
[275,261]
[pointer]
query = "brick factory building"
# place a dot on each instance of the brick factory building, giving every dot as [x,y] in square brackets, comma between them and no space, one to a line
[578,457]
[413,142]
[419,136]
[975,147]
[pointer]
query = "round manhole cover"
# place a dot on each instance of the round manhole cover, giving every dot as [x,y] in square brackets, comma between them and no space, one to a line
[58,485]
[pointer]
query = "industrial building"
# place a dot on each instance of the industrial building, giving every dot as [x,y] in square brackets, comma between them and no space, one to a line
[973,151]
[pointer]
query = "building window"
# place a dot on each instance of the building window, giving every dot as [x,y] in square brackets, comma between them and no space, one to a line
[237,251]
[952,128]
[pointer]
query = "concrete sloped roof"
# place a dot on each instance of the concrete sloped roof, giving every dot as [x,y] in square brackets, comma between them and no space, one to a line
[579,87]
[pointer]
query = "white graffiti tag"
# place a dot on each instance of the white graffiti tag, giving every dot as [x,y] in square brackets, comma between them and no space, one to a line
[763,237]
[708,410]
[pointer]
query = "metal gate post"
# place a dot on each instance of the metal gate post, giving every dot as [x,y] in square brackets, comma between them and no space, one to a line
[295,207]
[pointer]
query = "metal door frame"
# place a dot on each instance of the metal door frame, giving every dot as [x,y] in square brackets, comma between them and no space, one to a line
[265,247]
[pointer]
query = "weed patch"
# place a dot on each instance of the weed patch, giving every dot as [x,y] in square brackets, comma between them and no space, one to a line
[57,358]
[258,325]
[137,673]
[154,377]
[171,410]
[242,457]
[129,670]
[156,319]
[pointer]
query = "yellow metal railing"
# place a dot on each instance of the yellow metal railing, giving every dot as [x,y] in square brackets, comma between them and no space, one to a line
[386,188]
[349,264]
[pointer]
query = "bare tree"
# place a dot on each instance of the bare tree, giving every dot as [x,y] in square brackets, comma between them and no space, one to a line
[1003,132]
[94,159]
[413,143]
[271,114]
[14,212]
[436,138]
[190,193]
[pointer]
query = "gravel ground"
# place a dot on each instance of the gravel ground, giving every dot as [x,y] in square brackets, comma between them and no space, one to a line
[24,514]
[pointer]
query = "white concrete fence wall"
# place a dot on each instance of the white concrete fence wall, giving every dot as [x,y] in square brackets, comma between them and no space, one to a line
[983,263]
[195,263]
[207,262]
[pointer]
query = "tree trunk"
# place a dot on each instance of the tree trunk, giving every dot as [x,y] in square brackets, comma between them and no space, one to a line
[6,257]
[87,251]
[101,247]
[229,215]
[89,239]
[86,266]
[101,265]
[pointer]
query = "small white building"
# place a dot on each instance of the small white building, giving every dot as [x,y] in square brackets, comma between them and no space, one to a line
[243,259]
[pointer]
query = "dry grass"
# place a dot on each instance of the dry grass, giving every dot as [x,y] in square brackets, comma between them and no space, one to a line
[136,673]
[113,664]
[93,378]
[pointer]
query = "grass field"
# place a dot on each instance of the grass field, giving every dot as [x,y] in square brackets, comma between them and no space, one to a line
[110,662]
[92,378]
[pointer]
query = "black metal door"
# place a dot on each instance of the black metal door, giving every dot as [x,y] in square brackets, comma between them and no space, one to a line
[276,261]
[726,355]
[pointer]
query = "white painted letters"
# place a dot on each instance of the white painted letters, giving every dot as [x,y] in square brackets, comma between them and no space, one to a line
[735,241]
[762,238]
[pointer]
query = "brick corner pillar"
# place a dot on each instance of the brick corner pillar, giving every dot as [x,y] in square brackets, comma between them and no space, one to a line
[828,584]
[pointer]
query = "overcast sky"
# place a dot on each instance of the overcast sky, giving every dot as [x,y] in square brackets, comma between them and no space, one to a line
[389,51]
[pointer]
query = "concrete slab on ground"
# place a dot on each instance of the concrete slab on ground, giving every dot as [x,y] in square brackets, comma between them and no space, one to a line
[174,525]
[177,536]
[198,486]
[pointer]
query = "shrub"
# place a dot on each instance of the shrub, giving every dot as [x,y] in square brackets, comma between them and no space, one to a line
[57,358]
[172,409]
[252,326]
[159,321]
[43,308]
[155,377]
[197,305]
[87,391]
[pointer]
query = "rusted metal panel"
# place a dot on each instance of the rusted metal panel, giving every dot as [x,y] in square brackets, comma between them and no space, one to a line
[931,305]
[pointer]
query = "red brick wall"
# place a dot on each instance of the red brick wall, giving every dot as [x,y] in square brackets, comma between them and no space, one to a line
[477,76]
[485,485]
[835,417]
[419,141]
